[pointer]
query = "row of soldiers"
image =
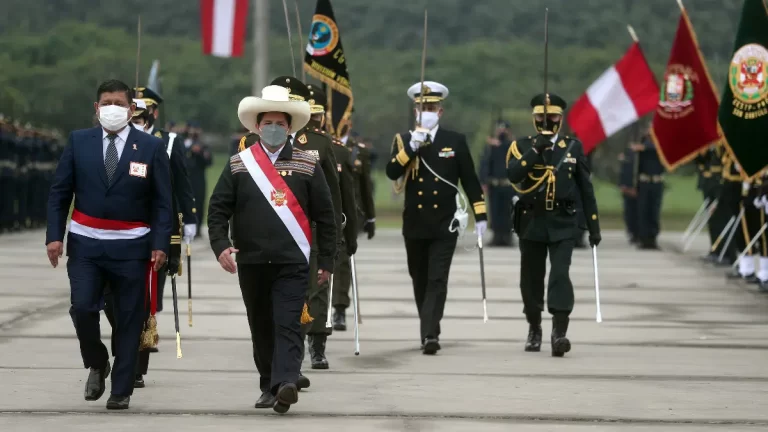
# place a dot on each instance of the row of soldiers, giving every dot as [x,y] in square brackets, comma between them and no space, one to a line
[28,158]
[736,211]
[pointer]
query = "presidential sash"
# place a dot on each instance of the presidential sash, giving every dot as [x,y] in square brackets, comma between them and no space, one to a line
[279,195]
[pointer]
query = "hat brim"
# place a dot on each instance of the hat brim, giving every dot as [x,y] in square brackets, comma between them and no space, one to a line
[251,106]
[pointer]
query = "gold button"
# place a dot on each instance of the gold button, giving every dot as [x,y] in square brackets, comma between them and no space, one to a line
[393,159]
[434,192]
[569,155]
[594,217]
[435,206]
[523,163]
[421,193]
[419,205]
[437,179]
[421,179]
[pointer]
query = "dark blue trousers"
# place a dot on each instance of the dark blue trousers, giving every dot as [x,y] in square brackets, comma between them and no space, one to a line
[631,216]
[127,279]
[649,198]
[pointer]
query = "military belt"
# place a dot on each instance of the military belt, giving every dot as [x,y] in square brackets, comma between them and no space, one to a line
[546,205]
[645,178]
[499,182]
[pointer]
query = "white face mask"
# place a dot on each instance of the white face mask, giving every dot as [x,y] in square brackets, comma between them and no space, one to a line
[113,117]
[428,119]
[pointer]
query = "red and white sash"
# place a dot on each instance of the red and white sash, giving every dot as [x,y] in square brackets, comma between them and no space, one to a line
[105,229]
[278,194]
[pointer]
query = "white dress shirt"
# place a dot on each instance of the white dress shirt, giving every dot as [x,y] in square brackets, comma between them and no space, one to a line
[272,156]
[433,132]
[122,138]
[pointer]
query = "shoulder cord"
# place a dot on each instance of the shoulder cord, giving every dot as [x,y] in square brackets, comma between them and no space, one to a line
[460,218]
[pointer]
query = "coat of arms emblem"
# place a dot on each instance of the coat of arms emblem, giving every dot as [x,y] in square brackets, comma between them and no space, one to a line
[747,74]
[676,99]
[278,197]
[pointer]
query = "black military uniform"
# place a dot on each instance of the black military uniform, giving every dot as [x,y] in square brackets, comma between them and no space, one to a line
[7,174]
[628,187]
[730,202]
[493,176]
[549,171]
[272,265]
[198,159]
[430,206]
[650,191]
[710,182]
[360,160]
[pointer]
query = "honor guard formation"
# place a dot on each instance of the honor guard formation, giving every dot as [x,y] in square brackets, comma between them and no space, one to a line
[292,202]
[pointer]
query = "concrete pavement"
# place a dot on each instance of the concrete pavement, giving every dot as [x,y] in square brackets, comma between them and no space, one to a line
[680,349]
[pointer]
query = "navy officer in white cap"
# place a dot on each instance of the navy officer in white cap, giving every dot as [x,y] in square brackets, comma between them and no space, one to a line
[428,164]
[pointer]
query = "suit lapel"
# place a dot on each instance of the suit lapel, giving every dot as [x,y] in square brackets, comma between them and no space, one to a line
[98,150]
[127,155]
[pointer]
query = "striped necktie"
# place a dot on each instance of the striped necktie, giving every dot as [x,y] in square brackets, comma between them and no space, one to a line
[110,160]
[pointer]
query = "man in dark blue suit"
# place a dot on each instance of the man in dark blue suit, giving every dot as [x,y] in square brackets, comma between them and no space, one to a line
[119,234]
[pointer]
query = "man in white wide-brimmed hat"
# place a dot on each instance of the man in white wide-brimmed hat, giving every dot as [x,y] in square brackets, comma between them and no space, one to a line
[273,193]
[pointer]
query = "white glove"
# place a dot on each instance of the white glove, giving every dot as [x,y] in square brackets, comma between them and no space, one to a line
[480,227]
[764,201]
[418,138]
[757,202]
[190,231]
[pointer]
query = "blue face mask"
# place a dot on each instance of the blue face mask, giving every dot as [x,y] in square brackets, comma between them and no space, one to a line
[273,135]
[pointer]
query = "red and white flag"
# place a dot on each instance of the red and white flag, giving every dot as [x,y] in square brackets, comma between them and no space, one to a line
[623,93]
[223,26]
[279,195]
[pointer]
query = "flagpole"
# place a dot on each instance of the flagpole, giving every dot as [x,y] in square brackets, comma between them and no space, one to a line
[260,45]
[633,34]
[680,3]
[301,43]
[138,50]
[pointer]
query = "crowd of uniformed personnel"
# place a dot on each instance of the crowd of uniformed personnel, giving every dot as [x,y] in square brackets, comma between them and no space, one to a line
[28,158]
[736,213]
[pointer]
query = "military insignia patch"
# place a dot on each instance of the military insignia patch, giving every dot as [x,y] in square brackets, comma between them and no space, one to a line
[338,167]
[570,160]
[302,139]
[747,79]
[158,134]
[446,153]
[278,197]
[134,147]
[561,144]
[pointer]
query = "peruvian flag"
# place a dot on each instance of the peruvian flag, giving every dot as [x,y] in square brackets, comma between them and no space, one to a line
[223,26]
[623,93]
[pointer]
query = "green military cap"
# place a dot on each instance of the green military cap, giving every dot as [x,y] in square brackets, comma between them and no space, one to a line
[318,101]
[149,96]
[297,91]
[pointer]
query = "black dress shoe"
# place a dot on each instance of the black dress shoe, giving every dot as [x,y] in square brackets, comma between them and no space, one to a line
[94,385]
[763,286]
[139,382]
[287,395]
[752,279]
[533,343]
[302,382]
[430,347]
[560,343]
[339,320]
[267,400]
[118,402]
[317,350]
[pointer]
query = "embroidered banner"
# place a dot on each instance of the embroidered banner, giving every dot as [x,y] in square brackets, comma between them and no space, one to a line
[278,194]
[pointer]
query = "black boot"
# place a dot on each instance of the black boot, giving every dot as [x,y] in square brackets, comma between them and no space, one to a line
[533,343]
[138,382]
[339,319]
[317,350]
[560,343]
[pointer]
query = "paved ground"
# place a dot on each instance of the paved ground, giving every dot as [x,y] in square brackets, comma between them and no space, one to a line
[680,350]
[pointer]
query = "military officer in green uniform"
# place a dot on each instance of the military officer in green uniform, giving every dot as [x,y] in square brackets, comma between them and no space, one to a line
[549,172]
[347,179]
[360,157]
[428,164]
[317,142]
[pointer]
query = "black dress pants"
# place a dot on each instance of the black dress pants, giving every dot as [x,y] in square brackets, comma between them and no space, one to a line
[429,263]
[274,298]
[533,268]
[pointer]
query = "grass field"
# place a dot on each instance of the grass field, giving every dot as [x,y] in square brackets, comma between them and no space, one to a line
[681,200]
